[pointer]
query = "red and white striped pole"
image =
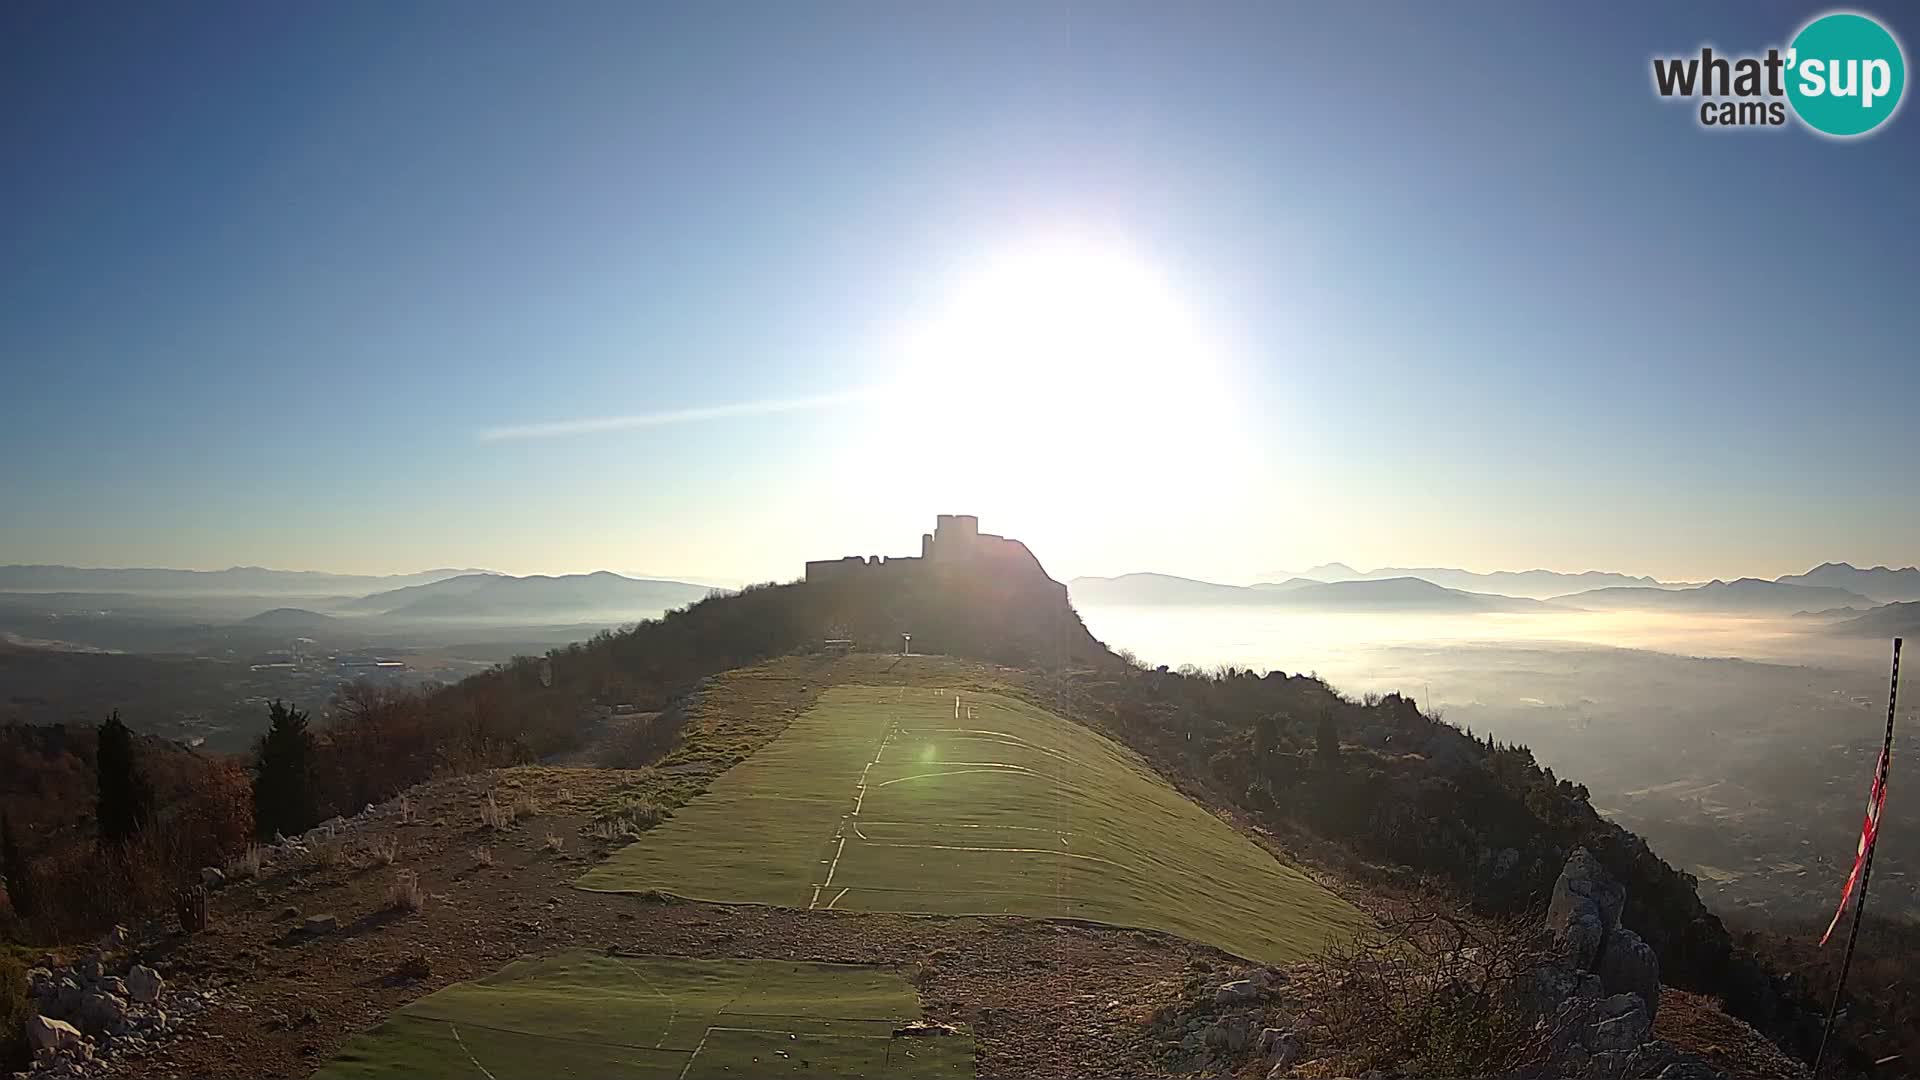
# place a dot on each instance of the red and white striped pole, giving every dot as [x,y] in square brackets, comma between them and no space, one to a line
[1863,863]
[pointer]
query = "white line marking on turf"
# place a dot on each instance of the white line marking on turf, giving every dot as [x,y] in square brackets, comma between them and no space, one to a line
[696,1053]
[455,1028]
[852,820]
[837,898]
[1011,850]
[959,772]
[673,1009]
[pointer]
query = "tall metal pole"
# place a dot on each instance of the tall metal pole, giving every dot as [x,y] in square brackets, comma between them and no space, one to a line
[1884,766]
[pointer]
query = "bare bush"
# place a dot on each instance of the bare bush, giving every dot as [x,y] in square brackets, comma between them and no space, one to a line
[405,894]
[1442,993]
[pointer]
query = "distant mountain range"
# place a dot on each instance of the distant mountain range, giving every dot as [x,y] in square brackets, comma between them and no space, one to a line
[1878,582]
[1890,620]
[536,598]
[1745,596]
[1537,584]
[238,580]
[1834,589]
[1404,594]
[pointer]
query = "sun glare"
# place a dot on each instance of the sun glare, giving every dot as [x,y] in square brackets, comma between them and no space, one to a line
[1062,354]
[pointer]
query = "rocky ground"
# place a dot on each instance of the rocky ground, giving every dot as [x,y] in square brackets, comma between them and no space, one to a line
[325,936]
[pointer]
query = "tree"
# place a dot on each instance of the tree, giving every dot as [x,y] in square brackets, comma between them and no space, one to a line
[125,801]
[283,796]
[19,877]
[1327,735]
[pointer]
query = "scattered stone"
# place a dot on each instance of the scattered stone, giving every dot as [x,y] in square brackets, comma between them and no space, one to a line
[1237,992]
[46,1034]
[115,938]
[144,984]
[321,924]
[212,877]
[99,1012]
[1288,1048]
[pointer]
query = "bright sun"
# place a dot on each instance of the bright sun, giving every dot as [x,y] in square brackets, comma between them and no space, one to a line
[1057,384]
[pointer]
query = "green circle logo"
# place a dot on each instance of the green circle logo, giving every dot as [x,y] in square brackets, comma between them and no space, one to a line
[1845,73]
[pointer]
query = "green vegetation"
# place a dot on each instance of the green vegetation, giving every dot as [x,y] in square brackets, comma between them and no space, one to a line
[583,1014]
[125,799]
[283,798]
[898,799]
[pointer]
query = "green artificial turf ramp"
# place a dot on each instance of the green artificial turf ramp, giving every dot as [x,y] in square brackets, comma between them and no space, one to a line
[913,799]
[589,1015]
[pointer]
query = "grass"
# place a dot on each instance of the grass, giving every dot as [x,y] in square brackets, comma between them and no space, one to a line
[1006,809]
[406,894]
[658,1018]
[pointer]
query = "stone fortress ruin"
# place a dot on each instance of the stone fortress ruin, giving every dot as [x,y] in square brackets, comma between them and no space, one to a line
[955,545]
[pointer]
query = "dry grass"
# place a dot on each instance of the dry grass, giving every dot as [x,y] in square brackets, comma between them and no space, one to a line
[494,815]
[405,894]
[483,856]
[384,853]
[526,805]
[406,810]
[555,842]
[326,855]
[246,867]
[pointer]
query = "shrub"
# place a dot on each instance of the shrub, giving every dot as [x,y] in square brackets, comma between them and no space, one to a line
[1447,995]
[14,1008]
[405,894]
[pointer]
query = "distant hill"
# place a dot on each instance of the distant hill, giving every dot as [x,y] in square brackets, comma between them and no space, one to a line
[1146,588]
[1747,596]
[1878,582]
[1387,594]
[238,580]
[1893,620]
[1537,584]
[291,618]
[535,598]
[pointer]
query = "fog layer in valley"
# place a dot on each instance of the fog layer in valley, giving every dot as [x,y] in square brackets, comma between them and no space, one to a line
[1740,746]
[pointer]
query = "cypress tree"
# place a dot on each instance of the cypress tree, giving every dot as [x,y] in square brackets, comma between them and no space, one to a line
[283,796]
[125,801]
[19,878]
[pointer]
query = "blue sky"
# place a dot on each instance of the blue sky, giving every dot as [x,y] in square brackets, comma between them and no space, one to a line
[1472,295]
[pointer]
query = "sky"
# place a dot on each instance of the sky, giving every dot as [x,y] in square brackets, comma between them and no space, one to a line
[708,291]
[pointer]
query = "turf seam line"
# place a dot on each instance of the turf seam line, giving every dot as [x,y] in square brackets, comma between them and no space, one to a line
[538,1034]
[455,1028]
[673,1007]
[859,796]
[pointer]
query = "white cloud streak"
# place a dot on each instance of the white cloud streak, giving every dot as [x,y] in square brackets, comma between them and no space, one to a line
[594,425]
